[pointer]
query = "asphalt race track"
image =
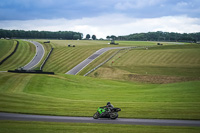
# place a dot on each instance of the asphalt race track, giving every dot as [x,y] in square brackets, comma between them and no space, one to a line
[38,56]
[25,117]
[158,122]
[87,61]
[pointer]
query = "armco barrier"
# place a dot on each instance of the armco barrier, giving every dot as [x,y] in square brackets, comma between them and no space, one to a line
[41,67]
[30,71]
[10,53]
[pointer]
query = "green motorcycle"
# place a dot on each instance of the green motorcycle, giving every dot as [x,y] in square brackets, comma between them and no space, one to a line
[104,112]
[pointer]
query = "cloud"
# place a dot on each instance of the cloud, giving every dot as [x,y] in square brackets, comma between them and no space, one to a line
[104,25]
[77,9]
[130,4]
[181,4]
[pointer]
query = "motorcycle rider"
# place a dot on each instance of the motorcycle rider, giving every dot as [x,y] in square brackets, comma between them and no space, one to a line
[109,105]
[108,108]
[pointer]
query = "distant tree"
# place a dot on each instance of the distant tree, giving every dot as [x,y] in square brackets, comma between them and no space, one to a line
[88,36]
[94,37]
[113,37]
[81,35]
[76,37]
[108,37]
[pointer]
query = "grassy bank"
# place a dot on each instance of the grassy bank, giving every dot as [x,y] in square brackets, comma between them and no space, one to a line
[70,95]
[6,47]
[65,58]
[80,96]
[24,54]
[97,61]
[172,61]
[93,43]
[51,127]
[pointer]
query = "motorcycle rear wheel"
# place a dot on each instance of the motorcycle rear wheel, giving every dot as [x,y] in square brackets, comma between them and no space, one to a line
[114,115]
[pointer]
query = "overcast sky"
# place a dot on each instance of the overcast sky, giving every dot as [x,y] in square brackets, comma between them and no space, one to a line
[101,17]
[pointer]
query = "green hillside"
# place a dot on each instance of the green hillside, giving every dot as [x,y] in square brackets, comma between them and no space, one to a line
[24,54]
[69,95]
[80,96]
[172,60]
[65,58]
[6,47]
[97,61]
[97,43]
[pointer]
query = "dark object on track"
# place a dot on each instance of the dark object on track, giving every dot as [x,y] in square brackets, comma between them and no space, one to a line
[47,42]
[159,44]
[113,42]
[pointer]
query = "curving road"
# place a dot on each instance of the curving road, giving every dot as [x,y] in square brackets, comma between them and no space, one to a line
[38,56]
[158,122]
[87,61]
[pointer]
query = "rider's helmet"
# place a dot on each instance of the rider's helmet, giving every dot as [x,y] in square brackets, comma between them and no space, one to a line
[108,103]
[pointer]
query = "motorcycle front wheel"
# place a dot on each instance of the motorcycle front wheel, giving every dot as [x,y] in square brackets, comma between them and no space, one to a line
[96,115]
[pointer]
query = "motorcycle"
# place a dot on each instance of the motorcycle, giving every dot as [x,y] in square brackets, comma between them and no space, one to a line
[104,112]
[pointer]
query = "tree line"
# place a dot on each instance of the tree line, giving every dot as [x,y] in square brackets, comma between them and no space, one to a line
[69,35]
[159,36]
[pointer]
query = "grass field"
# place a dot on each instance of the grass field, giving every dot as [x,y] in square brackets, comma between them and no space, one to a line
[171,60]
[80,96]
[51,127]
[93,43]
[24,54]
[65,58]
[6,47]
[70,95]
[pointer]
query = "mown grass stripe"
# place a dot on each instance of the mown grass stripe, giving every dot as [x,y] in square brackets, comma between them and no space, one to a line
[23,55]
[6,47]
[166,61]
[10,53]
[66,58]
[60,55]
